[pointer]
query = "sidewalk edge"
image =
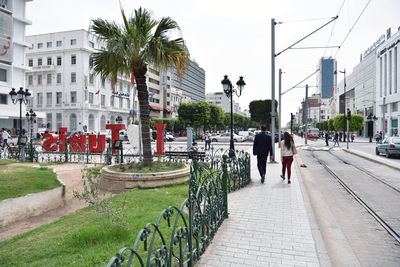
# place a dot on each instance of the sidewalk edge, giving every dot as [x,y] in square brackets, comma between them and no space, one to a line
[322,252]
[368,157]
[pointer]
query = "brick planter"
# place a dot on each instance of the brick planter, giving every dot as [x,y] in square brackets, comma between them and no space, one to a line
[117,182]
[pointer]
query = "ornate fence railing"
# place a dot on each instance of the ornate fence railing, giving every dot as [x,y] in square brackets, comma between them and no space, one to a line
[181,234]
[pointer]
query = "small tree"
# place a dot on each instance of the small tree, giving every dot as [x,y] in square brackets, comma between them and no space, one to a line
[355,124]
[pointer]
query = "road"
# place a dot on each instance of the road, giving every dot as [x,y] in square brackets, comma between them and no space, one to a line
[352,236]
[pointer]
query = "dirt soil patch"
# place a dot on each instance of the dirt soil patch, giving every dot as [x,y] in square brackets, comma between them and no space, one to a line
[70,174]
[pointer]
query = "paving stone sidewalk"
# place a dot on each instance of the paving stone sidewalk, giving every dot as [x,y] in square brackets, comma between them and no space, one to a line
[268,225]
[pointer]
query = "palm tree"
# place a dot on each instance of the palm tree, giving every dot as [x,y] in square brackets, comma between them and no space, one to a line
[140,40]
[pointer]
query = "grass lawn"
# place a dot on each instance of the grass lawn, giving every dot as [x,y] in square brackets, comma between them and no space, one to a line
[158,166]
[77,239]
[8,161]
[20,181]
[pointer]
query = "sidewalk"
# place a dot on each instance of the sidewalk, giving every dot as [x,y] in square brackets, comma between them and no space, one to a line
[269,224]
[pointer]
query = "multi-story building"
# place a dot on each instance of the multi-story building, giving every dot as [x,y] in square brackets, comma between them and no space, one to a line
[219,99]
[66,89]
[159,87]
[325,77]
[192,83]
[387,81]
[12,58]
[313,108]
[177,97]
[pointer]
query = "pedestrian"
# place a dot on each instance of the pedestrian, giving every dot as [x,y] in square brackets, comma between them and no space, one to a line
[327,138]
[352,137]
[288,149]
[380,136]
[377,137]
[336,139]
[262,146]
[207,140]
[5,137]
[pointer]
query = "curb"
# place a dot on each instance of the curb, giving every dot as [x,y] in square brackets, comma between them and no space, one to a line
[368,157]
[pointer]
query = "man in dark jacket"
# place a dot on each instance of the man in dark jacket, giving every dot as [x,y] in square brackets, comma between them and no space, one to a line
[262,146]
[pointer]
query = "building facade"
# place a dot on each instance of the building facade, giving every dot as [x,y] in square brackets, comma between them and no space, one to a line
[65,88]
[12,59]
[387,81]
[193,82]
[325,77]
[177,97]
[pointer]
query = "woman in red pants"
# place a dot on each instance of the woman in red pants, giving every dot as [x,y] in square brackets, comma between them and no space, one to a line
[288,149]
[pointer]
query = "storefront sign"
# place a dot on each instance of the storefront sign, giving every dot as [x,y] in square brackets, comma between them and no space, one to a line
[374,45]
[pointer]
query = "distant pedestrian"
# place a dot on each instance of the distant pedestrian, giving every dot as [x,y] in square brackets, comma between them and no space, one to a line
[262,146]
[327,139]
[207,140]
[336,139]
[380,136]
[377,136]
[352,137]
[5,137]
[288,149]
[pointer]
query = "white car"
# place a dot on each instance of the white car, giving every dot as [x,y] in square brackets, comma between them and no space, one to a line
[226,137]
[247,135]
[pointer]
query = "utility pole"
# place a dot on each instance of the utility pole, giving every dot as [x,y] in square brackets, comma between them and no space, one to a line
[273,114]
[306,116]
[280,114]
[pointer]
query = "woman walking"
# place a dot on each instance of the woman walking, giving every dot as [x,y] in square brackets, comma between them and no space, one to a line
[288,149]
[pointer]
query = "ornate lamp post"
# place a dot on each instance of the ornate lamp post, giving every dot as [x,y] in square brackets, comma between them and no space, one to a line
[229,90]
[31,117]
[22,97]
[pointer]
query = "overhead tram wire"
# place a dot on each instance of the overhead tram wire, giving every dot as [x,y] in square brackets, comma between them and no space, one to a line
[295,86]
[302,20]
[362,12]
[333,27]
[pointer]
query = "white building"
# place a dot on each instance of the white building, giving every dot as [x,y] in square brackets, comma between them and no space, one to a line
[65,88]
[12,59]
[387,81]
[177,97]
[220,99]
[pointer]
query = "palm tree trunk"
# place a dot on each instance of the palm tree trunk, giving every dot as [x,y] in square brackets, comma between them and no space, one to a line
[143,97]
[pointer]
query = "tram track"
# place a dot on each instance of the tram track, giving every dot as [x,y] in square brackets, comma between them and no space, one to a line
[367,207]
[365,171]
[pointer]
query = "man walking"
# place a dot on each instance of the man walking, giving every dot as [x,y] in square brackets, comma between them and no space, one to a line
[336,139]
[326,138]
[262,146]
[5,137]
[207,141]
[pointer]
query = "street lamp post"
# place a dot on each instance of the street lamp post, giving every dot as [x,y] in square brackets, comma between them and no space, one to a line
[22,97]
[31,117]
[229,90]
[344,100]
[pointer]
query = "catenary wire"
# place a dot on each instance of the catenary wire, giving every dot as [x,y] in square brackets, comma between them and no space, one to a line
[302,20]
[362,12]
[333,27]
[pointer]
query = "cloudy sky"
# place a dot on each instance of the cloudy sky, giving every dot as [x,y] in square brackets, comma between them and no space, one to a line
[233,36]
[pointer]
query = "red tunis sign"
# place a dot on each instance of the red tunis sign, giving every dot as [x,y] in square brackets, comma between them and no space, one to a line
[97,143]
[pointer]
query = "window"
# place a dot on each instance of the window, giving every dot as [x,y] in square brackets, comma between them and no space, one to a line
[91,122]
[154,100]
[49,44]
[121,87]
[49,119]
[168,78]
[30,80]
[112,101]
[120,102]
[40,45]
[58,61]
[91,44]
[49,97]
[128,103]
[3,75]
[39,98]
[154,81]
[390,72]
[30,62]
[90,98]
[73,77]
[39,61]
[39,79]
[3,99]
[395,107]
[73,59]
[49,78]
[72,122]
[154,72]
[103,100]
[91,78]
[58,78]
[73,97]
[395,70]
[59,43]
[155,91]
[167,94]
[73,41]
[59,120]
[102,122]
[58,98]
[168,103]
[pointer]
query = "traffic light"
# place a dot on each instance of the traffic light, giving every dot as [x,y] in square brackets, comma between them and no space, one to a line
[348,114]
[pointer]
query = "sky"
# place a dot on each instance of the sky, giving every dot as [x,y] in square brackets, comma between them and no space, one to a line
[233,37]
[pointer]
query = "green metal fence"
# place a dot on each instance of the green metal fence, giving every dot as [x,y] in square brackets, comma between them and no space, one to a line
[180,235]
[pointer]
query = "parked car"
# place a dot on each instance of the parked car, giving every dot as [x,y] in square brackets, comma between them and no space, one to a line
[169,137]
[247,135]
[226,137]
[390,146]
